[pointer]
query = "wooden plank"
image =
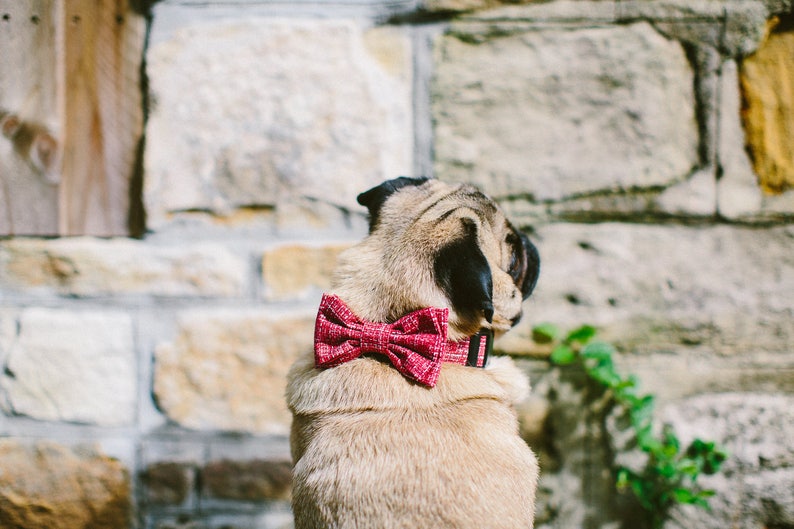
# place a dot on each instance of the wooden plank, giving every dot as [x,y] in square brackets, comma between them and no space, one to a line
[102,50]
[28,110]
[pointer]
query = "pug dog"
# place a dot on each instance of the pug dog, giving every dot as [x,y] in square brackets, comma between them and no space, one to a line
[387,437]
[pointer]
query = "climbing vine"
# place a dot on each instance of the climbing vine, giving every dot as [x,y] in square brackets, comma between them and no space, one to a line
[670,475]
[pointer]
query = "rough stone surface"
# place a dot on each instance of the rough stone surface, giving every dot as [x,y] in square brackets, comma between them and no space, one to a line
[168,482]
[735,26]
[296,271]
[726,289]
[226,370]
[767,81]
[465,5]
[553,113]
[72,366]
[49,486]
[756,485]
[739,195]
[317,108]
[86,266]
[252,480]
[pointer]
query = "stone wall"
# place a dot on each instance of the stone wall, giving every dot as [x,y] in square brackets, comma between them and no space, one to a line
[645,146]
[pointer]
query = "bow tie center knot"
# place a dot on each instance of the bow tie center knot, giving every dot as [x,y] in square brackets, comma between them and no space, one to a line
[375,337]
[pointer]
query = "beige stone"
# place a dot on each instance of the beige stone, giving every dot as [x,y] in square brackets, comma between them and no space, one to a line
[85,266]
[293,271]
[767,80]
[226,370]
[49,486]
[279,109]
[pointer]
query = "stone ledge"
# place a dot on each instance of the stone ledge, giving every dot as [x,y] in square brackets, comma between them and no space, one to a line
[89,267]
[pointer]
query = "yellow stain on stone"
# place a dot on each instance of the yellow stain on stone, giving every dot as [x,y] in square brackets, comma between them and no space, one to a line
[767,83]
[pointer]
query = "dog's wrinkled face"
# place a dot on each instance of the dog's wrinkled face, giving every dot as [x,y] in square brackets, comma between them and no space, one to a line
[440,245]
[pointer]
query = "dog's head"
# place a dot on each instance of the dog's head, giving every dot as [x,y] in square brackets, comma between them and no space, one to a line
[440,245]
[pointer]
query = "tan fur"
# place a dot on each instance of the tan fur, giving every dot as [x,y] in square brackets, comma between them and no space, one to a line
[373,450]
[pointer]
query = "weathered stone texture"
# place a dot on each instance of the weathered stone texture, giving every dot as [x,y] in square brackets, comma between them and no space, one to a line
[722,288]
[739,195]
[260,111]
[92,267]
[250,480]
[168,482]
[555,113]
[226,370]
[72,366]
[767,80]
[756,486]
[49,486]
[295,271]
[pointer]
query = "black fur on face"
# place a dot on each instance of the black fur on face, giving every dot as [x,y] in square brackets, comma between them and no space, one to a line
[463,274]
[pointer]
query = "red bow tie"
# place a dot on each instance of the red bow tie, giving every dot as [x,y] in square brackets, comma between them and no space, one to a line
[416,344]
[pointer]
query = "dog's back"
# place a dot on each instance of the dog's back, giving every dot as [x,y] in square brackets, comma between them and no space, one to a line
[386,454]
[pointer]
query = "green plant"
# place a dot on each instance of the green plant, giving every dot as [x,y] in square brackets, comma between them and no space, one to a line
[670,475]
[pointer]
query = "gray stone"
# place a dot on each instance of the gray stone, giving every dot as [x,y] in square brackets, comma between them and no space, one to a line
[556,113]
[735,26]
[72,366]
[756,485]
[724,289]
[257,112]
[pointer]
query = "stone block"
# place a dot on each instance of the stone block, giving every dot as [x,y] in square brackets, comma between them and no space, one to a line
[49,486]
[75,366]
[740,195]
[88,267]
[254,480]
[226,369]
[756,485]
[723,289]
[767,80]
[734,26]
[296,271]
[255,111]
[550,114]
[168,482]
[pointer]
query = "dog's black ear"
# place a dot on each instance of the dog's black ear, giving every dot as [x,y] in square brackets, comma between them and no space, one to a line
[533,266]
[462,272]
[376,197]
[525,262]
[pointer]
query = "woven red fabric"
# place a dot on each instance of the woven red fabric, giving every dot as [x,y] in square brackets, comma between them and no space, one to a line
[416,344]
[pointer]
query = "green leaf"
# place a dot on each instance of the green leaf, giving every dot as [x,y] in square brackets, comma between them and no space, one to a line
[545,333]
[582,335]
[562,355]
[600,351]
[684,496]
[605,375]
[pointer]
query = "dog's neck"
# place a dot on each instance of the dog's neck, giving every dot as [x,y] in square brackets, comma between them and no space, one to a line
[416,344]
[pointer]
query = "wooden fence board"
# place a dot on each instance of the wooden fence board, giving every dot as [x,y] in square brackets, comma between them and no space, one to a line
[70,74]
[28,101]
